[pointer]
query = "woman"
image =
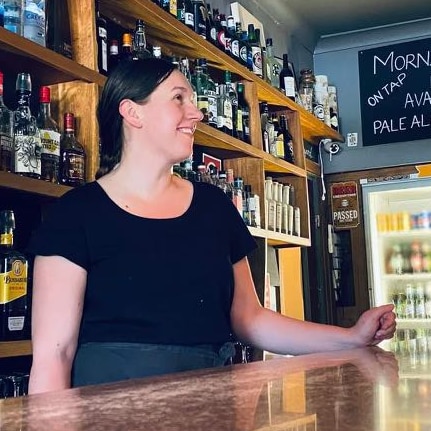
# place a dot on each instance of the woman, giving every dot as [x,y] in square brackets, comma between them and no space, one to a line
[141,272]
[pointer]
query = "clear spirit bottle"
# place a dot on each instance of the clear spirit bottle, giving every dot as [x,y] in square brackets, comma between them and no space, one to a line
[27,146]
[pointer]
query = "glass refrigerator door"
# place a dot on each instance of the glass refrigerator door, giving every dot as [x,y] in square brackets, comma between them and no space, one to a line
[397,219]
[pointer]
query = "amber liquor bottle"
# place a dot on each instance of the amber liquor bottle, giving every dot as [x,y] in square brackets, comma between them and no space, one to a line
[14,324]
[50,138]
[72,155]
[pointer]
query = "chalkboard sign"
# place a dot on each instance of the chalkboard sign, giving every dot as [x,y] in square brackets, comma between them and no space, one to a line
[395,91]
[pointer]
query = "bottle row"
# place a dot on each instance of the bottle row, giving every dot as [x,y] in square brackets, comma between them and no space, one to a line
[312,92]
[409,258]
[414,302]
[14,385]
[403,221]
[33,145]
[414,344]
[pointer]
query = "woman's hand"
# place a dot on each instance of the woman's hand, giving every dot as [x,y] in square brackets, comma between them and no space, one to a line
[375,325]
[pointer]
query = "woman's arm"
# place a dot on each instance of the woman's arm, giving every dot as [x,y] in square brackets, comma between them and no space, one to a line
[58,296]
[276,333]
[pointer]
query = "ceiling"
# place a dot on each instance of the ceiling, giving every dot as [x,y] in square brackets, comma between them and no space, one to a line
[338,16]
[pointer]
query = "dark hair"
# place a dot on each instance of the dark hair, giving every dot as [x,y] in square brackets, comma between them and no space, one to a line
[131,79]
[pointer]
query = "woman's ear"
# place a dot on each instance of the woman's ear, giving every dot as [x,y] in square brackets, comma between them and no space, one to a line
[128,110]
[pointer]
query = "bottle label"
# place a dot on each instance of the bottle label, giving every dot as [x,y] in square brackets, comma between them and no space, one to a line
[75,167]
[27,154]
[234,47]
[212,108]
[12,16]
[189,19]
[13,283]
[173,7]
[243,53]
[50,141]
[227,117]
[289,86]
[34,27]
[202,104]
[15,323]
[257,60]
[279,145]
[239,123]
[6,143]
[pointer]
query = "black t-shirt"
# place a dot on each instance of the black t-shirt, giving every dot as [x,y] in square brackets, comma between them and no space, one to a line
[167,281]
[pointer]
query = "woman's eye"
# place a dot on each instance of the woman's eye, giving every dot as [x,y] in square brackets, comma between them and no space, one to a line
[179,97]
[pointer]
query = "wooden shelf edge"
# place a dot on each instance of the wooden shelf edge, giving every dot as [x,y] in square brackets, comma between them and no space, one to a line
[30,185]
[312,167]
[279,239]
[10,349]
[165,28]
[69,69]
[210,137]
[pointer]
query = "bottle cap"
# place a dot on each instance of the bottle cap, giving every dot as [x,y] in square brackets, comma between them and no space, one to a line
[127,39]
[44,94]
[69,122]
[23,83]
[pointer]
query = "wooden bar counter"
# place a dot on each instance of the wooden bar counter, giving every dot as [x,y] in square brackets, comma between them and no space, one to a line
[362,389]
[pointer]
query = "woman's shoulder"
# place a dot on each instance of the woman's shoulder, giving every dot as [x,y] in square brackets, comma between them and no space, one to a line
[87,194]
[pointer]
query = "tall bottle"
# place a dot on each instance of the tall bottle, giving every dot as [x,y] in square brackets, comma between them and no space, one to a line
[272,66]
[72,155]
[243,115]
[139,49]
[50,138]
[14,307]
[102,42]
[233,97]
[212,96]
[13,16]
[126,47]
[185,13]
[289,154]
[256,51]
[6,133]
[58,36]
[200,83]
[33,22]
[287,80]
[200,17]
[26,133]
[211,26]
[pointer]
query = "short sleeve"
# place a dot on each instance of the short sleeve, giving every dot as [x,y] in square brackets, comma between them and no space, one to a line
[61,232]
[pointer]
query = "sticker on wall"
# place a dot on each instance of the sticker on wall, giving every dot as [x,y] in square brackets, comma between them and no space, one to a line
[345,205]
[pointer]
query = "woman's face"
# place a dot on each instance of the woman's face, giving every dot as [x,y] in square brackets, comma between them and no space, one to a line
[170,118]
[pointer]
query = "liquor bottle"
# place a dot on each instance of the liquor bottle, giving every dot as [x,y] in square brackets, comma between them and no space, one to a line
[102,42]
[187,14]
[287,80]
[27,144]
[289,154]
[267,128]
[256,51]
[272,66]
[114,55]
[33,22]
[58,36]
[244,48]
[235,37]
[200,83]
[306,89]
[410,302]
[14,287]
[6,133]
[278,138]
[225,111]
[50,138]
[211,26]
[233,97]
[139,49]
[126,47]
[13,16]
[200,17]
[72,155]
[333,107]
[212,95]
[243,115]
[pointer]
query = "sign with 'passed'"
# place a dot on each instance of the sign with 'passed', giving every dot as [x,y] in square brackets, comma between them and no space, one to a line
[345,205]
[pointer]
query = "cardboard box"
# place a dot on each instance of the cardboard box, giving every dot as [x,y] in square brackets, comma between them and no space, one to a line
[242,15]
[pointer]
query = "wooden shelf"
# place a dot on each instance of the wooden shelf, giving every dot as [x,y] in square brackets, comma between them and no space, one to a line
[277,239]
[209,137]
[30,185]
[15,348]
[175,37]
[312,167]
[18,54]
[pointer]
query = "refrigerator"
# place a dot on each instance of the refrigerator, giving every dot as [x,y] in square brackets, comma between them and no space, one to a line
[397,223]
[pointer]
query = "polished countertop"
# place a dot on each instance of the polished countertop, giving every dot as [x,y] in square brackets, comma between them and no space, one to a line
[361,389]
